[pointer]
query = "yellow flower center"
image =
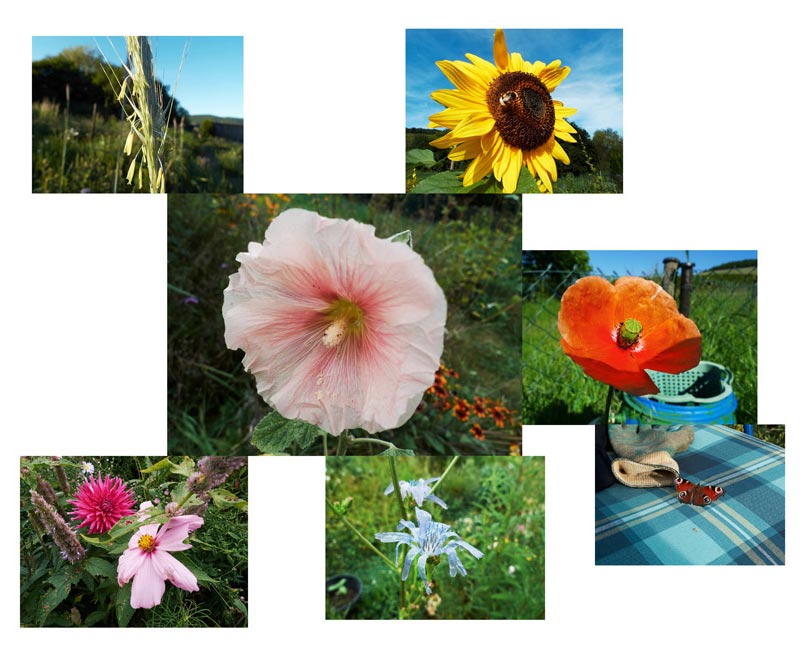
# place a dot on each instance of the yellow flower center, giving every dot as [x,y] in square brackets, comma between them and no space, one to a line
[345,320]
[147,543]
[522,108]
[629,332]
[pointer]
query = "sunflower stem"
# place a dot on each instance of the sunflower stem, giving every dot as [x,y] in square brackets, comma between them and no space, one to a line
[608,404]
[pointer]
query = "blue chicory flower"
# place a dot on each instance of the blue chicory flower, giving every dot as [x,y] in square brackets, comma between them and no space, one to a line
[428,539]
[419,491]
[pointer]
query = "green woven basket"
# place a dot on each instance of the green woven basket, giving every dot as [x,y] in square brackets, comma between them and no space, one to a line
[707,383]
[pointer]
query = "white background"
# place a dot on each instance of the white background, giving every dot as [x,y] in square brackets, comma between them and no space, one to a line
[715,157]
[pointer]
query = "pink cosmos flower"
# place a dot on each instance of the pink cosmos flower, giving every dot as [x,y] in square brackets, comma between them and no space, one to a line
[148,563]
[340,328]
[101,503]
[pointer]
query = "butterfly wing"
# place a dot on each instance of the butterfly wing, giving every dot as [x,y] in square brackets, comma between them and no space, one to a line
[697,495]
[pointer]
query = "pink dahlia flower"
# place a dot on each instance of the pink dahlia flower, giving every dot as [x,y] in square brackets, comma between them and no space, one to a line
[340,328]
[99,504]
[148,563]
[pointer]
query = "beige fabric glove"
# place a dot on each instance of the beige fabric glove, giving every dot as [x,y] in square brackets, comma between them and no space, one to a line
[657,469]
[645,453]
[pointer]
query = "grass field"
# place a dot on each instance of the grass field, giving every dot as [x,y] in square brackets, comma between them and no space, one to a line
[73,154]
[497,504]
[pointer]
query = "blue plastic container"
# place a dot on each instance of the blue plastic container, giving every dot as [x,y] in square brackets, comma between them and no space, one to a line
[702,395]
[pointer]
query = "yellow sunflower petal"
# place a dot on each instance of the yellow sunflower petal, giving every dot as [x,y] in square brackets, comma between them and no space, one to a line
[511,171]
[552,75]
[485,71]
[463,76]
[500,52]
[475,125]
[560,154]
[564,136]
[478,168]
[453,98]
[561,111]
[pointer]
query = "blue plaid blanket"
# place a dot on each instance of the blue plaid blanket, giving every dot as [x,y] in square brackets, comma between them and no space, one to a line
[649,526]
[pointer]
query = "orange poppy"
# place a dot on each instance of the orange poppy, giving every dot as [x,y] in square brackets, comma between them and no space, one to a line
[615,332]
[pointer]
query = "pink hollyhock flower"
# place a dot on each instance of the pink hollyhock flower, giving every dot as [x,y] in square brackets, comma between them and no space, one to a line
[148,563]
[340,328]
[101,503]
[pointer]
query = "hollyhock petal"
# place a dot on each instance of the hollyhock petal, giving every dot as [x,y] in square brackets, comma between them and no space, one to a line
[172,533]
[172,570]
[277,310]
[148,585]
[592,313]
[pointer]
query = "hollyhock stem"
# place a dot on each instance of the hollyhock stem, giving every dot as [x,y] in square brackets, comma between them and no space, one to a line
[343,443]
[608,404]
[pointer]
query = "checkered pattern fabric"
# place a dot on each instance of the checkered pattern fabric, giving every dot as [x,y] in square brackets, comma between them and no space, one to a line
[745,527]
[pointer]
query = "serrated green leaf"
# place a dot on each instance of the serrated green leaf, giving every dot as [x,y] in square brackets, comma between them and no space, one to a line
[53,597]
[224,499]
[100,567]
[275,434]
[123,609]
[420,157]
[394,451]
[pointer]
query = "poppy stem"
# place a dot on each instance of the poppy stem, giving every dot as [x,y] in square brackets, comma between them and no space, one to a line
[608,404]
[343,443]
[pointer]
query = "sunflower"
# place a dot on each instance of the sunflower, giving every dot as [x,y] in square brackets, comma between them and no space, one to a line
[502,117]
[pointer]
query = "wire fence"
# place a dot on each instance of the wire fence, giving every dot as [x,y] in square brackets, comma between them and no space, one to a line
[722,303]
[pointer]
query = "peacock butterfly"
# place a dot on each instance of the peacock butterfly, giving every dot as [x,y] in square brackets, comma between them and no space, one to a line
[697,495]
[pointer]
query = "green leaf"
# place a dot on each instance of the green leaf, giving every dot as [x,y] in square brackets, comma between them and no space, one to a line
[62,583]
[123,610]
[224,499]
[394,451]
[446,182]
[100,567]
[275,434]
[201,575]
[161,464]
[420,157]
[94,617]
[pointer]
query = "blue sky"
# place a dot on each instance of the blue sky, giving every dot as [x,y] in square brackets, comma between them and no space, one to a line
[637,263]
[594,86]
[210,75]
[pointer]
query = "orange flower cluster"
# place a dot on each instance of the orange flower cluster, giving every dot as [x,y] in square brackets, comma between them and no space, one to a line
[445,397]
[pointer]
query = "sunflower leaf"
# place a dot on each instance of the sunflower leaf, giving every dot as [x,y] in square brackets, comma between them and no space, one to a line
[441,183]
[275,434]
[420,157]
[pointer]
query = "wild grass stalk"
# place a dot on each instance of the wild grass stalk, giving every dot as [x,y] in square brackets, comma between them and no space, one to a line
[65,135]
[142,102]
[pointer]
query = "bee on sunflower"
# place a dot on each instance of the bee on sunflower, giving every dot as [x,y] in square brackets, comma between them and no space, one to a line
[502,117]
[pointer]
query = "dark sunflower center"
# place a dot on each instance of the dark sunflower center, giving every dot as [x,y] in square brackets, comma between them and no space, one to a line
[522,108]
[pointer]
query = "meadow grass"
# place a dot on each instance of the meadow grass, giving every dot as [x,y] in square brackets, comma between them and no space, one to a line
[472,246]
[85,153]
[497,504]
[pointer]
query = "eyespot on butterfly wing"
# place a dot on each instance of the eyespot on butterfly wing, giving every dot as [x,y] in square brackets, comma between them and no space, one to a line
[697,495]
